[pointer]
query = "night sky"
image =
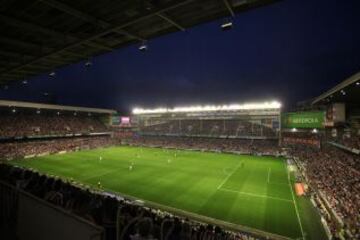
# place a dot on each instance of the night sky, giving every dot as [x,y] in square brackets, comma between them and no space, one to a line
[290,51]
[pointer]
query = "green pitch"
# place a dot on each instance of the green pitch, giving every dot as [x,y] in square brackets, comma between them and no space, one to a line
[252,191]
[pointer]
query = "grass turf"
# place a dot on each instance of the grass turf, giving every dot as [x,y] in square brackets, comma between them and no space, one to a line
[252,191]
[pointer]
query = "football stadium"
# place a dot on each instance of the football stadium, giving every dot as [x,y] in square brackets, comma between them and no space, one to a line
[250,170]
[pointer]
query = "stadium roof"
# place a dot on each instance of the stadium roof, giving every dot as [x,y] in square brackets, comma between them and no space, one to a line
[348,91]
[39,36]
[18,104]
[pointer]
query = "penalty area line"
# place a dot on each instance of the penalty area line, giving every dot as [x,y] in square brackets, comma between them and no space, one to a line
[228,176]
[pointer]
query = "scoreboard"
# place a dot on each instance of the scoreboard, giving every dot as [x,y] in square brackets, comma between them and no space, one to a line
[121,121]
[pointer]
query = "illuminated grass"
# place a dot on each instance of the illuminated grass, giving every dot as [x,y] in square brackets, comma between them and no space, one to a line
[251,191]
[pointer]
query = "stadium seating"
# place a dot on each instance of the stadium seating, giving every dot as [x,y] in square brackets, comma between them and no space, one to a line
[121,218]
[211,144]
[16,149]
[21,124]
[348,136]
[335,173]
[17,130]
[210,127]
[350,142]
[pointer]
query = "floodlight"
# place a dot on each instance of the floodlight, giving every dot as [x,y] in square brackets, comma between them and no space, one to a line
[52,74]
[314,130]
[38,111]
[208,108]
[357,83]
[143,47]
[226,25]
[88,63]
[294,130]
[24,82]
[13,110]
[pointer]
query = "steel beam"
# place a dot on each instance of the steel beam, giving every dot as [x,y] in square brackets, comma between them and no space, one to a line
[86,17]
[34,27]
[115,28]
[168,19]
[229,8]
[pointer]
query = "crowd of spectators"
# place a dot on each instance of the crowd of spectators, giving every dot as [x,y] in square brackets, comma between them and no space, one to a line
[25,124]
[20,149]
[336,174]
[352,142]
[211,127]
[250,146]
[347,136]
[117,216]
[332,171]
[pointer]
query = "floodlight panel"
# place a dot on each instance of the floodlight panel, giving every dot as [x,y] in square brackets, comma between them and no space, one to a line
[211,108]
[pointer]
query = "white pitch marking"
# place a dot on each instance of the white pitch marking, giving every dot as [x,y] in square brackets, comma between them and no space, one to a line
[256,195]
[228,176]
[296,209]
[268,178]
[225,171]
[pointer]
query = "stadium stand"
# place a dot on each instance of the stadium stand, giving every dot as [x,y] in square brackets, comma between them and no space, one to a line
[350,141]
[196,127]
[121,218]
[24,124]
[16,149]
[329,157]
[30,129]
[335,174]
[249,121]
